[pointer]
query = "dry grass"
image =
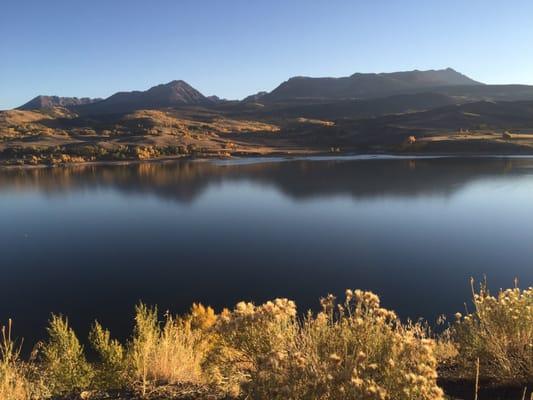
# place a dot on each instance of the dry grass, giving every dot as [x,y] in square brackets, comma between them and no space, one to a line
[165,354]
[13,383]
[159,121]
[18,117]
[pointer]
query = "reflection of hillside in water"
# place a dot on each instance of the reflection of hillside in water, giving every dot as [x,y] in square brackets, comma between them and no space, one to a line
[184,181]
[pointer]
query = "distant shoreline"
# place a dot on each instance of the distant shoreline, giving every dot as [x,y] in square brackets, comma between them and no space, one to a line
[273,157]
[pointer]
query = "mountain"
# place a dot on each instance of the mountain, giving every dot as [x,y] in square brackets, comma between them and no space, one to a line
[255,97]
[216,99]
[175,93]
[42,102]
[366,85]
[357,96]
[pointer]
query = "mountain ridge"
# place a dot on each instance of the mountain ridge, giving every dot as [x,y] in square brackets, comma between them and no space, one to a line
[364,85]
[179,92]
[297,90]
[43,101]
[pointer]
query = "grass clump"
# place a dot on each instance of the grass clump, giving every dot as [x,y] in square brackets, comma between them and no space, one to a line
[498,333]
[14,384]
[170,352]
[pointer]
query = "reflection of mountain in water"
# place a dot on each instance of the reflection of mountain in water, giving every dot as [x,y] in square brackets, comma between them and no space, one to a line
[184,181]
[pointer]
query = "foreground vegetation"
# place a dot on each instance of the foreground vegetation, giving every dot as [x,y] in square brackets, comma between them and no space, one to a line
[353,349]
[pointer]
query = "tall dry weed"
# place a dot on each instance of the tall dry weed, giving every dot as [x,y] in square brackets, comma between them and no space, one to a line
[14,384]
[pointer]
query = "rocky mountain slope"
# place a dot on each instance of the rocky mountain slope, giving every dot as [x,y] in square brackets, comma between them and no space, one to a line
[40,102]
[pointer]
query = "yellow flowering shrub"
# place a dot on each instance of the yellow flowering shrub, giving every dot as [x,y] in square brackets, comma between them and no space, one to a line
[499,333]
[354,350]
[247,338]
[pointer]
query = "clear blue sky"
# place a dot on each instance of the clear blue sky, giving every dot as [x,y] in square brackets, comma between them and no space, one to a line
[233,48]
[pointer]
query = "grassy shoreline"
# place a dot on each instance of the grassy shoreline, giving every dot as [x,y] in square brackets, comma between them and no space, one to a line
[351,349]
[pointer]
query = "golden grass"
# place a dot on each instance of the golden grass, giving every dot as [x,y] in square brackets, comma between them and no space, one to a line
[13,382]
[17,117]
[167,354]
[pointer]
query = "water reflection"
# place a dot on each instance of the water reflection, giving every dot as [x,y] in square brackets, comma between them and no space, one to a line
[92,241]
[185,181]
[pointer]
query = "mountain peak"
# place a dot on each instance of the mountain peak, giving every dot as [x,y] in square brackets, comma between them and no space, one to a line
[176,82]
[171,94]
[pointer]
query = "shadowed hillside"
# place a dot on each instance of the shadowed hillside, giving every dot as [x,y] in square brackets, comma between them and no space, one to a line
[366,85]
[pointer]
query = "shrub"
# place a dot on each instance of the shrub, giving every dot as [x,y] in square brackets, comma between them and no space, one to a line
[499,333]
[65,367]
[350,350]
[354,350]
[111,370]
[359,350]
[248,336]
[202,317]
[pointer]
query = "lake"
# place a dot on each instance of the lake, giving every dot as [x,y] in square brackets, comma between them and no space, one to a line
[90,242]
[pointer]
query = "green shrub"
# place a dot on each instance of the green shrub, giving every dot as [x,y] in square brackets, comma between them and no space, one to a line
[111,371]
[65,367]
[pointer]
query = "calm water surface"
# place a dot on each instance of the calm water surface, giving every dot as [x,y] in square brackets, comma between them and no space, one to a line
[91,242]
